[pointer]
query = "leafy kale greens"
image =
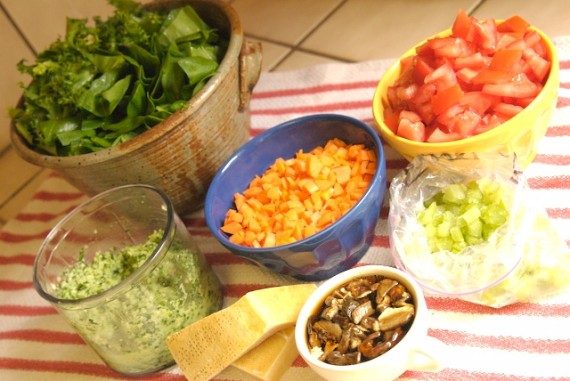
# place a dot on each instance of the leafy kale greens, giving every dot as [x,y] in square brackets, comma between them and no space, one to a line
[104,83]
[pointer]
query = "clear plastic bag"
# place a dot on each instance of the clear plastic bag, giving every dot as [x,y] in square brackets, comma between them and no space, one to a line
[522,260]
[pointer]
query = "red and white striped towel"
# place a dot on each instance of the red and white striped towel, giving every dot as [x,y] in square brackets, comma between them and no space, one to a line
[528,341]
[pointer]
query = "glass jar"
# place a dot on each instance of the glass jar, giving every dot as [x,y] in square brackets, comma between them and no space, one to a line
[123,270]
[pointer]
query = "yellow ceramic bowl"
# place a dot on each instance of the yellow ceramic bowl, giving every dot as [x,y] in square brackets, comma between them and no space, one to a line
[521,134]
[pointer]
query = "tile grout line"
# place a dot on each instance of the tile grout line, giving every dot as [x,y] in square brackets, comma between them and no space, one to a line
[296,46]
[18,29]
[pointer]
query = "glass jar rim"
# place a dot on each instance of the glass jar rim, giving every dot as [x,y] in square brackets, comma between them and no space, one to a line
[124,285]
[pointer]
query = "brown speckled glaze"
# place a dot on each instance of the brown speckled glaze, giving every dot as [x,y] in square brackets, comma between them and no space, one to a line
[182,154]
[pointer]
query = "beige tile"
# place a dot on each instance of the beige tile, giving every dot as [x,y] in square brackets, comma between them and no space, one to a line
[282,21]
[44,21]
[369,29]
[551,16]
[13,50]
[15,204]
[15,173]
[301,60]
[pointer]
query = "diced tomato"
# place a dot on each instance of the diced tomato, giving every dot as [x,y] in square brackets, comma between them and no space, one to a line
[406,64]
[406,93]
[473,61]
[465,77]
[421,69]
[507,110]
[488,122]
[425,111]
[539,67]
[425,93]
[468,82]
[462,26]
[438,136]
[506,60]
[523,102]
[506,39]
[486,34]
[449,47]
[411,127]
[486,76]
[409,115]
[519,87]
[478,101]
[446,98]
[447,118]
[466,122]
[519,44]
[532,38]
[540,49]
[442,77]
[513,24]
[391,118]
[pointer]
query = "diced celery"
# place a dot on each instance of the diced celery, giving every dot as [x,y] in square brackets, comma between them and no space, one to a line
[471,214]
[462,215]
[454,193]
[475,228]
[427,215]
[443,244]
[443,229]
[456,234]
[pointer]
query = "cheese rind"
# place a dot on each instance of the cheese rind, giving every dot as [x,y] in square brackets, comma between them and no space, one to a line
[206,347]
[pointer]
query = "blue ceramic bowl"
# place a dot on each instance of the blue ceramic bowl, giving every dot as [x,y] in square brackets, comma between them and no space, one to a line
[333,249]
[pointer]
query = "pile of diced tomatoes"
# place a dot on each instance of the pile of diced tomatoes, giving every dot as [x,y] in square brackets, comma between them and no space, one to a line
[464,84]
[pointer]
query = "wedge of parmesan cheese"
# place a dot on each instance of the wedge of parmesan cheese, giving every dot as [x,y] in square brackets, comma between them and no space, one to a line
[206,347]
[270,360]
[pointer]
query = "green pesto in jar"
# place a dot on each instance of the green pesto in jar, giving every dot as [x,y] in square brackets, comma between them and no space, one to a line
[131,328]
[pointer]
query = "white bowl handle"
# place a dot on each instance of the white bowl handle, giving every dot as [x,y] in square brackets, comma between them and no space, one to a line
[427,356]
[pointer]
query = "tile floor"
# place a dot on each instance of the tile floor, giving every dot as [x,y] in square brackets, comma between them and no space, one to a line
[294,34]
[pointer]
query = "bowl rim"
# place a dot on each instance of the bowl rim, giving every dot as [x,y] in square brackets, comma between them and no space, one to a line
[378,106]
[379,176]
[173,121]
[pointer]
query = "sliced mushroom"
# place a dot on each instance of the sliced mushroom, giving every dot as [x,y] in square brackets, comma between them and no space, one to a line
[348,306]
[370,323]
[360,288]
[327,330]
[330,312]
[337,358]
[393,317]
[361,311]
[374,345]
[384,286]
[360,320]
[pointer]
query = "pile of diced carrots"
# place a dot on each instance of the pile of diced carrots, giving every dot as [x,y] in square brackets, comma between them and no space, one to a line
[297,197]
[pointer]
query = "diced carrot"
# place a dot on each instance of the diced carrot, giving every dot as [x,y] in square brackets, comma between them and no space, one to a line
[342,174]
[273,193]
[269,240]
[308,185]
[297,197]
[233,215]
[314,166]
[231,227]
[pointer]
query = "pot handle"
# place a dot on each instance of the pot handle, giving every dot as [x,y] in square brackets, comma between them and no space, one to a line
[249,70]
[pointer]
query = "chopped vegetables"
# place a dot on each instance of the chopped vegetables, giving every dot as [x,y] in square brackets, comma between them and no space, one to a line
[102,85]
[466,83]
[130,327]
[462,215]
[298,197]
